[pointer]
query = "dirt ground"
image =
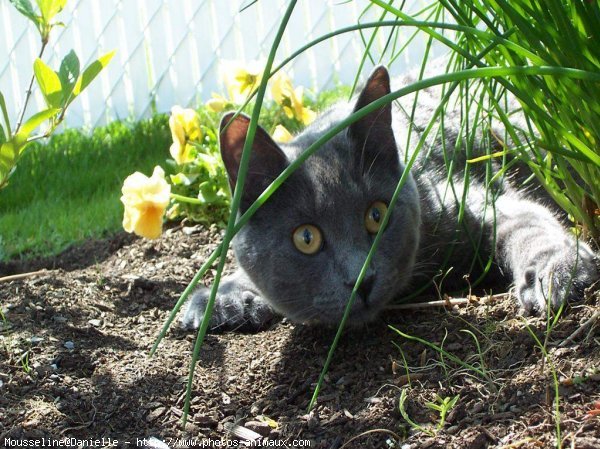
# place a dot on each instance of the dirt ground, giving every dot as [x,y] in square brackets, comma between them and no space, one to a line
[74,365]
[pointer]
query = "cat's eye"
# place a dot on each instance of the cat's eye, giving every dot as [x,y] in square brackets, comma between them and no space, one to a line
[307,239]
[374,216]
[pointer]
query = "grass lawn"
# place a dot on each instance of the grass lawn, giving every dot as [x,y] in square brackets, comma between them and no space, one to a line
[68,189]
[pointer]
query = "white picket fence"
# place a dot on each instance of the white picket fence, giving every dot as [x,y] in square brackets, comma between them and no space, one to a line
[168,51]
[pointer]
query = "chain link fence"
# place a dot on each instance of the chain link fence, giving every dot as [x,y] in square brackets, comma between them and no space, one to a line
[168,51]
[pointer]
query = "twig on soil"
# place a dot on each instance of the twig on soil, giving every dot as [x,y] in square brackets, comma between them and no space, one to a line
[389,432]
[14,277]
[450,302]
[493,438]
[520,443]
[580,330]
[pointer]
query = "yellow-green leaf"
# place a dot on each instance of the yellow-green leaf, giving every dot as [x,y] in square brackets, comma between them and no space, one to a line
[489,156]
[49,83]
[91,72]
[50,8]
[31,124]
[8,156]
[8,160]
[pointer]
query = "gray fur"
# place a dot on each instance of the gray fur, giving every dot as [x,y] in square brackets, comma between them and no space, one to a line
[333,190]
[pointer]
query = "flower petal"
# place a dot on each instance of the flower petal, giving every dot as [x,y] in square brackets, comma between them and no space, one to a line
[281,134]
[145,200]
[149,224]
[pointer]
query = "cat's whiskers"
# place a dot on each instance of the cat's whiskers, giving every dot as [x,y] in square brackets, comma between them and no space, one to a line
[368,174]
[372,129]
[315,313]
[425,265]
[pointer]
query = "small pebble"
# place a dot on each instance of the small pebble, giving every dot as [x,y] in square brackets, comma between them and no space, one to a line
[259,427]
[155,414]
[452,430]
[69,345]
[189,230]
[478,407]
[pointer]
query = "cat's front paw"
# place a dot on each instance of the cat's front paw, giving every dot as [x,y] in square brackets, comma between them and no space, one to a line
[234,309]
[553,281]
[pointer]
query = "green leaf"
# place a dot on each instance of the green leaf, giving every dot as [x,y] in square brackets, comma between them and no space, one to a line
[210,163]
[25,8]
[11,150]
[8,156]
[91,72]
[50,8]
[5,114]
[183,179]
[68,75]
[208,192]
[34,121]
[2,135]
[8,160]
[49,83]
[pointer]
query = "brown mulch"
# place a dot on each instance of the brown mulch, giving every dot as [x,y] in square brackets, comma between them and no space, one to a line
[74,344]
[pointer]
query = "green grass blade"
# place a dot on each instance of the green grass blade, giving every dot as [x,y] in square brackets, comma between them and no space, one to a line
[237,196]
[446,354]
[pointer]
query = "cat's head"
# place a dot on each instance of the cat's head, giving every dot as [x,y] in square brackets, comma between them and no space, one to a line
[305,246]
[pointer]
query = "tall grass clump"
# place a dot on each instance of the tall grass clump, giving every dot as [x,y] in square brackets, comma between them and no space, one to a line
[564,111]
[561,111]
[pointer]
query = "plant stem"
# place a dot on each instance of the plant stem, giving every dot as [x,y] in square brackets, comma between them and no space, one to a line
[28,93]
[186,199]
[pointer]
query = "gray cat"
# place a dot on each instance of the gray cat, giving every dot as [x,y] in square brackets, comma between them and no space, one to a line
[300,254]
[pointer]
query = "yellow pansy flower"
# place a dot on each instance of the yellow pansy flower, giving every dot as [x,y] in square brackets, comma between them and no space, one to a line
[241,79]
[307,116]
[185,127]
[145,200]
[290,99]
[217,103]
[281,134]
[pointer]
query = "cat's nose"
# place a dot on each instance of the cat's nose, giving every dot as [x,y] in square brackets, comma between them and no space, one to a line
[364,290]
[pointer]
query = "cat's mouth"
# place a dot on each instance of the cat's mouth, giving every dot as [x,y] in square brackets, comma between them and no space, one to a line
[329,307]
[363,309]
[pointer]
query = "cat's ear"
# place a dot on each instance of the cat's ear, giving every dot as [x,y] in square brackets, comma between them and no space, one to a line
[267,160]
[373,133]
